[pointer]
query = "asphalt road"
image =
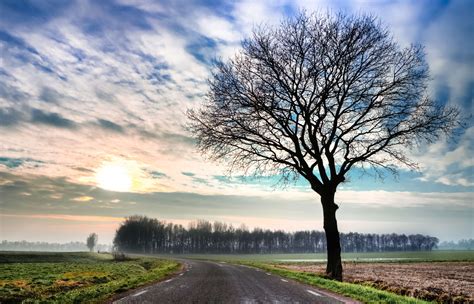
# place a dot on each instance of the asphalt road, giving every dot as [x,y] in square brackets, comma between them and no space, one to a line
[214,282]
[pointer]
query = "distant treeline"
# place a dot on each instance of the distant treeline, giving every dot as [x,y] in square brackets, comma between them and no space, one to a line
[460,245]
[44,246]
[146,235]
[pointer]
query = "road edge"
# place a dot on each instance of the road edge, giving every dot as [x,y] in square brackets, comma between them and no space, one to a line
[182,268]
[323,291]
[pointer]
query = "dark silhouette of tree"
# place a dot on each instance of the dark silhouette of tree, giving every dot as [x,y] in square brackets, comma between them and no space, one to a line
[315,97]
[140,234]
[92,241]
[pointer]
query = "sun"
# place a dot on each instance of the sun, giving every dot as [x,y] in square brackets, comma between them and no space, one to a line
[114,177]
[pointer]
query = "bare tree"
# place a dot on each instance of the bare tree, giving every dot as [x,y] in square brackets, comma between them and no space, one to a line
[92,241]
[315,97]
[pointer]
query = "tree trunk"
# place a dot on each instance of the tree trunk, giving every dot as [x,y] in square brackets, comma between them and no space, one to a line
[334,265]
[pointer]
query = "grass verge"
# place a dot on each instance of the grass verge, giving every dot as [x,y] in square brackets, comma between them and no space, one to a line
[358,292]
[75,277]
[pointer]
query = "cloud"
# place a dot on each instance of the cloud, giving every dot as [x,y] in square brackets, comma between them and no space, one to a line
[83,198]
[444,28]
[134,67]
[157,174]
[50,95]
[105,96]
[16,50]
[248,13]
[52,119]
[10,117]
[115,78]
[165,136]
[288,209]
[13,163]
[106,124]
[68,217]
[39,12]
[449,45]
[449,164]
[218,28]
[9,92]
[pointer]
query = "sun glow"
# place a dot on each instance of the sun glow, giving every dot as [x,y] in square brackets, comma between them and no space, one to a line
[114,176]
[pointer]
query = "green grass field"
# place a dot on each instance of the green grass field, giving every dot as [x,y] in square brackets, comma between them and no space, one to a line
[413,256]
[74,277]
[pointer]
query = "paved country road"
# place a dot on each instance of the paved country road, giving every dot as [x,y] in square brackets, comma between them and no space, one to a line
[219,282]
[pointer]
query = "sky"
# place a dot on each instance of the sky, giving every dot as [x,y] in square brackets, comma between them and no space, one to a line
[93,101]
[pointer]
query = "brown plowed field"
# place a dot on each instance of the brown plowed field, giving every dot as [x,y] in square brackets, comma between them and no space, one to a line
[444,282]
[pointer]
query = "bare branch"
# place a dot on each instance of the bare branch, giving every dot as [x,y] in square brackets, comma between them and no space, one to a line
[317,96]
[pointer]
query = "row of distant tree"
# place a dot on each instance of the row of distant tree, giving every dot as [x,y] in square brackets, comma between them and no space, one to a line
[460,245]
[147,235]
[44,246]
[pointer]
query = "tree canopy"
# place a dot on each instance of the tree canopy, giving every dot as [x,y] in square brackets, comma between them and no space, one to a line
[318,95]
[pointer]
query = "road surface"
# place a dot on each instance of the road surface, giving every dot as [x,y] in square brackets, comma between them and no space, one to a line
[219,282]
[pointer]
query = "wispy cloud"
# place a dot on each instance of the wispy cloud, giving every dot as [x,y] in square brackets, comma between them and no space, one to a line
[83,83]
[67,217]
[450,163]
[45,198]
[83,198]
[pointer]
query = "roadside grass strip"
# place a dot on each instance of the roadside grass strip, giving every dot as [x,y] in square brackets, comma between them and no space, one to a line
[358,292]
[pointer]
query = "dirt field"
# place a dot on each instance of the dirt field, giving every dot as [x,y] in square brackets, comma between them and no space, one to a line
[444,282]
